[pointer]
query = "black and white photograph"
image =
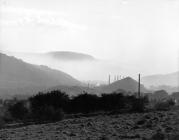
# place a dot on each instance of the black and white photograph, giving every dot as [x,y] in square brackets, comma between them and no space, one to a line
[89,69]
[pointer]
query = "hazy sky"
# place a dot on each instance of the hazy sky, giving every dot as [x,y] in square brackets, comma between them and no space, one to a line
[142,34]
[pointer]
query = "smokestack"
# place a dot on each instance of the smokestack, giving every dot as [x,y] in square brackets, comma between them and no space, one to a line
[114,78]
[139,87]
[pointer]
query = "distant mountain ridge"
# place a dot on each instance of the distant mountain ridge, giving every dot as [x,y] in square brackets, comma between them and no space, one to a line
[169,89]
[69,56]
[58,55]
[171,79]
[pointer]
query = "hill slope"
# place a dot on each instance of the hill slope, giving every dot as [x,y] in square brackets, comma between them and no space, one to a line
[15,73]
[171,79]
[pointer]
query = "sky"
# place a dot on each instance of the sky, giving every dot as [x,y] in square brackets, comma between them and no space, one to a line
[140,35]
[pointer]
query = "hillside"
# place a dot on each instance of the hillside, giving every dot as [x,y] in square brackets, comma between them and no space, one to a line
[127,84]
[171,79]
[15,73]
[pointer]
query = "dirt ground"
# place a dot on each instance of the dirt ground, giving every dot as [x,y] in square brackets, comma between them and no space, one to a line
[109,127]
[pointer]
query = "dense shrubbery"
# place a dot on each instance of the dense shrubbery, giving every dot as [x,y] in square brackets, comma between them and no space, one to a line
[50,106]
[53,105]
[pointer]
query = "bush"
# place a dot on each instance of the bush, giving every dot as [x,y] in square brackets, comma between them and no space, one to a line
[164,105]
[7,117]
[18,110]
[134,104]
[111,102]
[138,105]
[2,123]
[171,102]
[87,103]
[84,103]
[49,106]
[49,113]
[57,99]
[160,95]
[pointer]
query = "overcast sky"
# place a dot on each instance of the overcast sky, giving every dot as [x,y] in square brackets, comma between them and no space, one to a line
[143,34]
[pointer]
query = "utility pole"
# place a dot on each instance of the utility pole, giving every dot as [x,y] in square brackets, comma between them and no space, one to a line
[139,87]
[109,80]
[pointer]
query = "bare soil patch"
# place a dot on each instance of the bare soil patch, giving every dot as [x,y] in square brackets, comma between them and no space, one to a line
[138,126]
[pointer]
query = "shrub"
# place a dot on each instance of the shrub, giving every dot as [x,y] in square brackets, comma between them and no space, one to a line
[110,102]
[164,105]
[160,95]
[57,99]
[49,106]
[49,113]
[18,110]
[171,102]
[7,117]
[2,123]
[84,103]
[136,104]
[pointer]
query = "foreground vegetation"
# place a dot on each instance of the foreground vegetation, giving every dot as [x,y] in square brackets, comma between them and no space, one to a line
[88,116]
[55,105]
